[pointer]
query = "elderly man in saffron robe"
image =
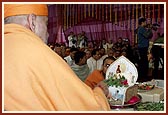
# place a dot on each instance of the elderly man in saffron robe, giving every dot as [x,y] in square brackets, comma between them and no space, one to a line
[35,77]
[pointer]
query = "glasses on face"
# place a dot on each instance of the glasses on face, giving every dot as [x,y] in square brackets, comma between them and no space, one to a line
[98,54]
[107,65]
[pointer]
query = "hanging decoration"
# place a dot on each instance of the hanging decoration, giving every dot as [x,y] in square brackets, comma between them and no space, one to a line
[76,14]
[115,9]
[102,12]
[121,15]
[149,18]
[129,13]
[133,40]
[137,15]
[142,14]
[100,16]
[93,10]
[88,9]
[85,11]
[106,7]
[146,11]
[110,12]
[136,37]
[70,19]
[82,12]
[125,16]
[79,13]
[158,13]
[120,24]
[73,15]
[153,14]
[65,16]
[96,11]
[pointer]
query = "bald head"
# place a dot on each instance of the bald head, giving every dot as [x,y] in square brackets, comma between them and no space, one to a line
[32,16]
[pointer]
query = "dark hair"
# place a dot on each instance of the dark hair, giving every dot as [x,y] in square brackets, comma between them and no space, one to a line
[94,52]
[141,20]
[79,55]
[102,48]
[57,45]
[73,49]
[110,58]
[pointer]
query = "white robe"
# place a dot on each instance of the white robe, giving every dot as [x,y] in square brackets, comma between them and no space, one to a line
[70,39]
[94,64]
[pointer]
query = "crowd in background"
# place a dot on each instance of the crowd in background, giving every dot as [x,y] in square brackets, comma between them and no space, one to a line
[85,57]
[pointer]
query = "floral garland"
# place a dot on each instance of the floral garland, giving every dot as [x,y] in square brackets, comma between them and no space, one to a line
[117,80]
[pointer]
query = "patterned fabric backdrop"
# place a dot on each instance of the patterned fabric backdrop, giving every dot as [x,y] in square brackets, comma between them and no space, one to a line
[102,21]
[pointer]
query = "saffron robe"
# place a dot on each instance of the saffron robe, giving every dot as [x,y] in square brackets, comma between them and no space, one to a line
[94,78]
[37,79]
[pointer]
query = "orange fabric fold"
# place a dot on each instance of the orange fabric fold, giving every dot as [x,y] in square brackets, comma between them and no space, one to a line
[37,79]
[20,9]
[94,78]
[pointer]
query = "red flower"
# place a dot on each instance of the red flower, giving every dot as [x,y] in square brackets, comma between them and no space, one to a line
[147,88]
[124,82]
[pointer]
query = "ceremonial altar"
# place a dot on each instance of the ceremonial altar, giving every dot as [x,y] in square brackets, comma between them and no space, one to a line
[121,77]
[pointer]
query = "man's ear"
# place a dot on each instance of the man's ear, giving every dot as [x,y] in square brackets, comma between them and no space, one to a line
[32,22]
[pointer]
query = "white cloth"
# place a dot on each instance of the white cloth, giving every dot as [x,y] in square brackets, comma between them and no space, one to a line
[109,45]
[103,57]
[94,64]
[69,60]
[70,39]
[105,46]
[82,43]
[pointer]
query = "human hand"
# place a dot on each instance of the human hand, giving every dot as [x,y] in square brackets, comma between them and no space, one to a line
[104,87]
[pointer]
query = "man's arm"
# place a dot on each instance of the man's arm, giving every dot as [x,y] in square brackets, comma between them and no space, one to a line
[148,34]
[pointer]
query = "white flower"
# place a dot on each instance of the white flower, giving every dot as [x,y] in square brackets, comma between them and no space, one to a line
[118,76]
[115,76]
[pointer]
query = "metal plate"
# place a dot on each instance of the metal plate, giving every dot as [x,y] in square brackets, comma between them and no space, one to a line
[125,105]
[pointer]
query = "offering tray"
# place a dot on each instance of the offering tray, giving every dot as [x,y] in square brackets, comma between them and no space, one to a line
[126,105]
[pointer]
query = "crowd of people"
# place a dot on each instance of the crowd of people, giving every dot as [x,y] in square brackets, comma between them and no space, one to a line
[140,54]
[96,53]
[79,40]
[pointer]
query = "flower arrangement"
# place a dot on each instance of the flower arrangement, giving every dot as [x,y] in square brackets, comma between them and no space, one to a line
[117,80]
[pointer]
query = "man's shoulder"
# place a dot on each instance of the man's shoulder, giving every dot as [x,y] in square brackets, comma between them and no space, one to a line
[67,57]
[91,59]
[97,74]
[141,28]
[97,71]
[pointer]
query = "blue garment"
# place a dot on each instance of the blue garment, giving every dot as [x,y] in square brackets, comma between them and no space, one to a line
[143,43]
[143,37]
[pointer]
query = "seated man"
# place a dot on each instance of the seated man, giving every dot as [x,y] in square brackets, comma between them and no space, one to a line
[70,59]
[58,49]
[98,75]
[80,67]
[95,62]
[72,40]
